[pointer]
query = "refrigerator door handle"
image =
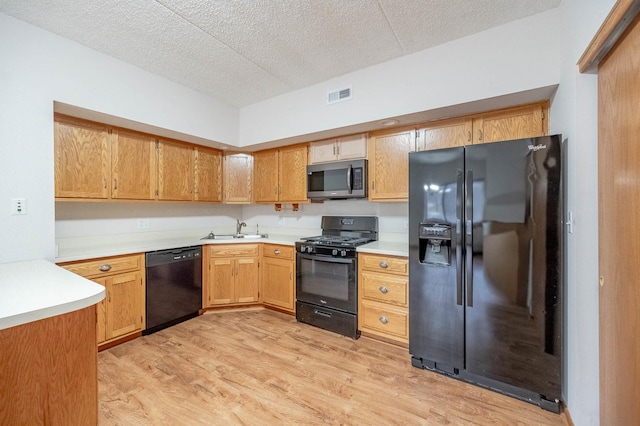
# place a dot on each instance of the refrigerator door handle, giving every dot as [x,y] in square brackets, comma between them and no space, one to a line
[459,260]
[469,237]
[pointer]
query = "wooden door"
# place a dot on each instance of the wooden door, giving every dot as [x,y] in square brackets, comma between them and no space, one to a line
[389,164]
[293,174]
[247,280]
[221,281]
[515,123]
[125,304]
[208,174]
[133,166]
[277,283]
[265,176]
[350,147]
[445,134]
[82,163]
[175,171]
[238,170]
[619,230]
[323,151]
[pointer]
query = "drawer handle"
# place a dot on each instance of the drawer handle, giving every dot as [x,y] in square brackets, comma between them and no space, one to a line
[383,289]
[384,320]
[276,251]
[106,267]
[384,264]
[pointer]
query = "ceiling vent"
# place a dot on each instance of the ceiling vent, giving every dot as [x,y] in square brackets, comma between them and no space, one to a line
[339,95]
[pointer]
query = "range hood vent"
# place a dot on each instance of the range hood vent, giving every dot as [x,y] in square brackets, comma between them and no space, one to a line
[339,95]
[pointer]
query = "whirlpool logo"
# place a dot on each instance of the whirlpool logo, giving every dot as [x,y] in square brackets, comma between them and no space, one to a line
[535,148]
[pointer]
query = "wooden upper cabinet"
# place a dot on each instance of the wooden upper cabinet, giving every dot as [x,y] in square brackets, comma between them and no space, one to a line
[342,148]
[280,175]
[514,123]
[445,134]
[208,174]
[175,171]
[82,162]
[293,174]
[265,176]
[238,171]
[133,166]
[389,164]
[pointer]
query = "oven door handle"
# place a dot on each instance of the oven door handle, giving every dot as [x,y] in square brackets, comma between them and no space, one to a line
[327,259]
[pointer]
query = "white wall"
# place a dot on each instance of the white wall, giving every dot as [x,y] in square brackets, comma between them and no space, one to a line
[515,57]
[38,68]
[574,114]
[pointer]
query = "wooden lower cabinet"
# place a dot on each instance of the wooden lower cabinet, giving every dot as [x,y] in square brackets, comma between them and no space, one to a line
[383,288]
[121,313]
[278,277]
[232,274]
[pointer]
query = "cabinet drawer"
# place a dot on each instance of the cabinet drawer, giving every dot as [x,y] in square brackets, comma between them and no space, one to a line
[389,264]
[388,320]
[385,288]
[105,266]
[278,252]
[233,250]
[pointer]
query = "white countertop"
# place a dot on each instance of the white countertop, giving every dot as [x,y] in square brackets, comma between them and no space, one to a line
[95,249]
[37,289]
[391,248]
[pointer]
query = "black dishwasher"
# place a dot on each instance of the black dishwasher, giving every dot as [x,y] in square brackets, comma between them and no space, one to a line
[174,286]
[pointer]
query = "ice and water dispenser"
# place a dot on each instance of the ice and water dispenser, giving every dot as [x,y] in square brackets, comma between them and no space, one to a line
[435,243]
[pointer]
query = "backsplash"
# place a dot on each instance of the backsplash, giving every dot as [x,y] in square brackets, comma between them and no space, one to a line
[84,219]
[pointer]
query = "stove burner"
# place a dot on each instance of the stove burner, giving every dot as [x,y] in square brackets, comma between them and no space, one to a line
[337,240]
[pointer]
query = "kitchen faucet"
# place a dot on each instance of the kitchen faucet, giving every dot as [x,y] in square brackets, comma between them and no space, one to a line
[239,226]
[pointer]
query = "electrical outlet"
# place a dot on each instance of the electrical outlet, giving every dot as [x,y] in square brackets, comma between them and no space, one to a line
[143,223]
[19,206]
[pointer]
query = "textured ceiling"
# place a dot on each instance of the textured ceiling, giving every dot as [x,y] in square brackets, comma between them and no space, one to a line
[245,51]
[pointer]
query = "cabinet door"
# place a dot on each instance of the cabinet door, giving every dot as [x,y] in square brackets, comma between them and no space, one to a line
[265,176]
[101,313]
[221,281]
[277,283]
[293,174]
[515,123]
[175,171]
[133,166]
[445,134]
[82,163]
[246,280]
[323,151]
[351,147]
[125,304]
[238,170]
[389,164]
[208,174]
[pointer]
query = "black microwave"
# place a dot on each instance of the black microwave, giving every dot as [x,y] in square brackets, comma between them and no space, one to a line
[337,180]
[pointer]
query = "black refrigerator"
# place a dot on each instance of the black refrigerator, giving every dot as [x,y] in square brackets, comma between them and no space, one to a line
[486,265]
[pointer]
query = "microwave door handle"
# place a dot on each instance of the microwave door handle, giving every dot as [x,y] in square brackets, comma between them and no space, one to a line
[349,174]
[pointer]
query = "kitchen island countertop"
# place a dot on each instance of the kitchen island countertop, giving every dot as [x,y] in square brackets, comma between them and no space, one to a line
[37,289]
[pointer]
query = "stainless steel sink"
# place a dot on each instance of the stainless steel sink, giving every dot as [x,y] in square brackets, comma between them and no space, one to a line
[213,236]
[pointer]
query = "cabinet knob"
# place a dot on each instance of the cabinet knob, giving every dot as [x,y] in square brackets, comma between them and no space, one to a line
[276,251]
[384,264]
[384,320]
[383,289]
[106,267]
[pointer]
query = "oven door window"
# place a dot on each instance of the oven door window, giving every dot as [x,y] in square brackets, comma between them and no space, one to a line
[329,282]
[328,180]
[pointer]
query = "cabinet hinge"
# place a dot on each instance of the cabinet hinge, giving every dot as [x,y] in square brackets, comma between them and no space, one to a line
[543,115]
[157,145]
[157,193]
[417,133]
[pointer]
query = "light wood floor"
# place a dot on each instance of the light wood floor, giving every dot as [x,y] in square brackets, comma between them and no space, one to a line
[260,367]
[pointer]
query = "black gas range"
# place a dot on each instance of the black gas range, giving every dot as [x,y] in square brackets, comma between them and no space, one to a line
[327,273]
